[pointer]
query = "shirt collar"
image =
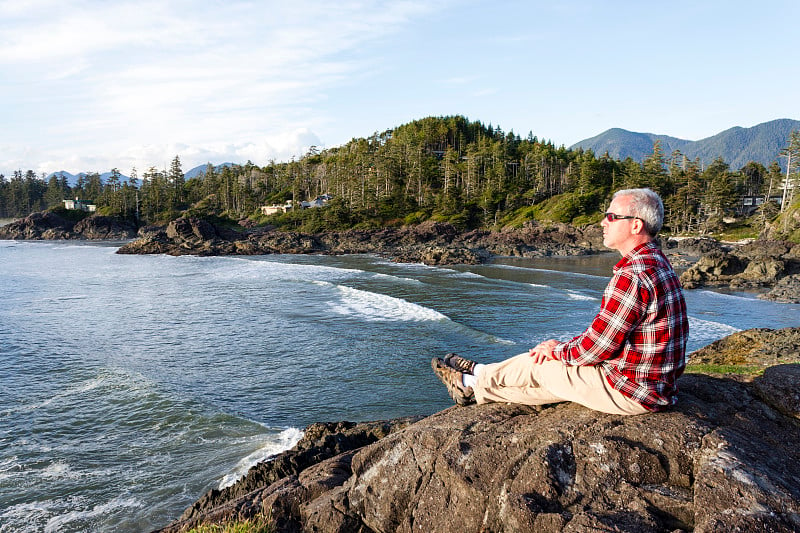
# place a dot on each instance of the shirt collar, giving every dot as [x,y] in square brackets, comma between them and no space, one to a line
[650,245]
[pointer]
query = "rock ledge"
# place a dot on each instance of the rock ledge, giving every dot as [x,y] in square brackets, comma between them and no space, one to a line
[725,459]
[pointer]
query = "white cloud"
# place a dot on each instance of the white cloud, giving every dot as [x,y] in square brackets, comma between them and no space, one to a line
[96,77]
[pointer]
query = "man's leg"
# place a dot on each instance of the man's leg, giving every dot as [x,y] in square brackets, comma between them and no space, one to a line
[520,380]
[512,381]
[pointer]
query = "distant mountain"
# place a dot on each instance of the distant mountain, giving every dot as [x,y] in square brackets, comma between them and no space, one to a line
[72,179]
[200,170]
[736,146]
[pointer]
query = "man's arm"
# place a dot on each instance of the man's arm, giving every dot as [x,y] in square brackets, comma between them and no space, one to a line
[624,304]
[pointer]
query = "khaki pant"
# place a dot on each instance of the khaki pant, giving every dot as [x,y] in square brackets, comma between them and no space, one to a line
[519,380]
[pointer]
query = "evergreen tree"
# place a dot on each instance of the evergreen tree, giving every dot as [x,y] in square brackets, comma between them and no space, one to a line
[792,182]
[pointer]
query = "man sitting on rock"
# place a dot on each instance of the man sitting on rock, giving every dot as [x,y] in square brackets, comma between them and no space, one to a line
[629,358]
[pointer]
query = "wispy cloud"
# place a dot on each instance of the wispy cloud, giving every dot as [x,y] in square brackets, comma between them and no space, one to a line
[122,75]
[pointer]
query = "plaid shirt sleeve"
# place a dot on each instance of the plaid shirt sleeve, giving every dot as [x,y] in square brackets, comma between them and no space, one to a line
[639,335]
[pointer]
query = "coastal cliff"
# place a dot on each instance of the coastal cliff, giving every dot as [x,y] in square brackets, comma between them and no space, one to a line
[724,459]
[429,242]
[47,225]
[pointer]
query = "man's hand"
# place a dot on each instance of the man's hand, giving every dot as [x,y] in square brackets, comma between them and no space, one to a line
[544,351]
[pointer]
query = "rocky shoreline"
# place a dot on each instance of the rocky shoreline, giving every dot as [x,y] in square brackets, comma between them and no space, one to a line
[49,226]
[771,267]
[756,265]
[724,459]
[431,243]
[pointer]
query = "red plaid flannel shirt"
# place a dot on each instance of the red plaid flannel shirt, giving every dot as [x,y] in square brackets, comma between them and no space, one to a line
[639,336]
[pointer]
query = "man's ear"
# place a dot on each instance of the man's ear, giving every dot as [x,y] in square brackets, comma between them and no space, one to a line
[637,228]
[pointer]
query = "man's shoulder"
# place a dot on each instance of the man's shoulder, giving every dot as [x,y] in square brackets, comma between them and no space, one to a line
[645,257]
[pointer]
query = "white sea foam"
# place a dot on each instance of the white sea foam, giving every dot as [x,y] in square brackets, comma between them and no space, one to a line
[59,523]
[722,295]
[576,295]
[380,307]
[549,271]
[466,274]
[77,390]
[26,517]
[500,340]
[238,268]
[699,327]
[380,275]
[271,447]
[58,469]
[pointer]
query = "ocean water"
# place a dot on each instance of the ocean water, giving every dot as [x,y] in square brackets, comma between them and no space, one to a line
[131,385]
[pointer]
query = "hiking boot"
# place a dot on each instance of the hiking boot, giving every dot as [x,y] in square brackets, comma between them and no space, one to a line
[460,363]
[452,380]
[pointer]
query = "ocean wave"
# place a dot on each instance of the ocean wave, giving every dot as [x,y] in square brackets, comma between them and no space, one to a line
[728,296]
[77,390]
[698,324]
[373,306]
[577,295]
[566,273]
[58,523]
[274,445]
[402,279]
[27,516]
[250,268]
[466,274]
[540,286]
[703,332]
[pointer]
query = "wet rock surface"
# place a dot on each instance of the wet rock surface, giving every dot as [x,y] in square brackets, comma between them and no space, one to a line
[760,264]
[724,459]
[432,243]
[47,225]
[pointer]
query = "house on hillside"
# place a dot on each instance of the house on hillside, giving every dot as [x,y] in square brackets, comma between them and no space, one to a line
[276,208]
[80,205]
[749,204]
[319,201]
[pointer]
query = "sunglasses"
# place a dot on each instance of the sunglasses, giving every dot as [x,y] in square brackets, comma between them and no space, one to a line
[611,217]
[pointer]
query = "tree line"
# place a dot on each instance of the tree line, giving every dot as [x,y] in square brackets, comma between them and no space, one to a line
[442,168]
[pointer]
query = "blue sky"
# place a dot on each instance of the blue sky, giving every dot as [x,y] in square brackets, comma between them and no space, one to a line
[92,85]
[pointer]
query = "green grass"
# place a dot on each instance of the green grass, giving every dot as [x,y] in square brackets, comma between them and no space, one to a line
[724,369]
[261,523]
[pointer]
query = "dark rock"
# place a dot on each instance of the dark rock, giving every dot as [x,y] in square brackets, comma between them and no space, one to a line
[721,460]
[786,290]
[191,230]
[754,265]
[696,246]
[760,347]
[44,225]
[99,227]
[432,243]
[47,225]
[320,441]
[778,387]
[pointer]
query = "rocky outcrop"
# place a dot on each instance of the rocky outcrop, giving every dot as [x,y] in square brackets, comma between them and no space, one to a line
[786,290]
[36,226]
[433,243]
[47,225]
[757,348]
[99,227]
[724,459]
[755,265]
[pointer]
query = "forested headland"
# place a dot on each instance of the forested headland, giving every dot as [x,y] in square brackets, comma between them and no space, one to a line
[447,169]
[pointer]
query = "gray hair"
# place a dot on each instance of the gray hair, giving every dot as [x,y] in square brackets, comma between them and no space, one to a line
[645,204]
